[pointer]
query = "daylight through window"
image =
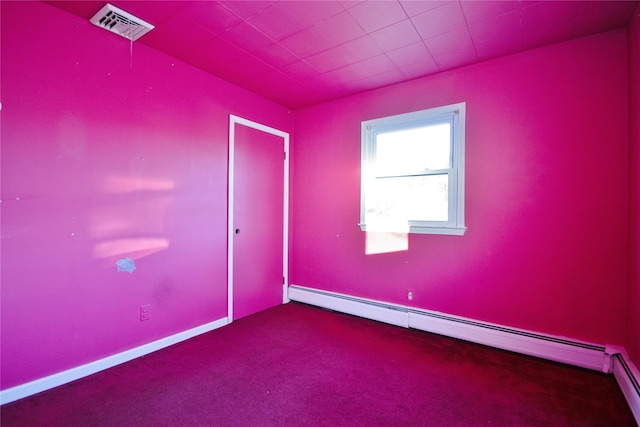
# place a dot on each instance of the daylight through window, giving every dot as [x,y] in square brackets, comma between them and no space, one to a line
[413,172]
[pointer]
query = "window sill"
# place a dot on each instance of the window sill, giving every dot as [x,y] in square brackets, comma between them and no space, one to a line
[447,231]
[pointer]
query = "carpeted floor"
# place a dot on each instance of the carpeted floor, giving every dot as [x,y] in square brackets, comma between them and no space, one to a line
[297,365]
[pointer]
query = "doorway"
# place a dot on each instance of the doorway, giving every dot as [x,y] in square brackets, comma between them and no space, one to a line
[257,217]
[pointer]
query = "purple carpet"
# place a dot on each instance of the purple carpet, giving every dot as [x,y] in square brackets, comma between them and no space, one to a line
[297,365]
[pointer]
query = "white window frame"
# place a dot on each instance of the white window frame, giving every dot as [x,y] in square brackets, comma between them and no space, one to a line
[454,114]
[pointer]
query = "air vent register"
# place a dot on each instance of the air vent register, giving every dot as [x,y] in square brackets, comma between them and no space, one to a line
[120,22]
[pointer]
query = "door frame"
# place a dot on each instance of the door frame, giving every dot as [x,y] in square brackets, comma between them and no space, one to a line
[233,121]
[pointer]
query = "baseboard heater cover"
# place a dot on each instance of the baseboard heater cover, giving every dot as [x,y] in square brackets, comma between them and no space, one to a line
[369,309]
[28,389]
[558,349]
[628,378]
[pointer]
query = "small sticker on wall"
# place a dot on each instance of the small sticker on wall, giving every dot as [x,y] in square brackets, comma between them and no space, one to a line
[126,264]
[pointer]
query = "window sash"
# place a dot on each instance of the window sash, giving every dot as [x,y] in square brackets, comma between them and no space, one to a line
[451,178]
[400,169]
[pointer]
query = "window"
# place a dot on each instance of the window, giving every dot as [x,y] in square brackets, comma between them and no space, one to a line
[413,172]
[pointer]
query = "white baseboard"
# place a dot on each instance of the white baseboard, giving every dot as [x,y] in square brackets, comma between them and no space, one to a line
[628,378]
[558,349]
[55,380]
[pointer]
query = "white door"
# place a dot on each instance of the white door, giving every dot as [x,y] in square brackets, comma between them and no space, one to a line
[258,205]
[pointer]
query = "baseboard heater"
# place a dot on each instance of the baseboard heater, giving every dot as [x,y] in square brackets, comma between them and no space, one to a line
[558,349]
[606,359]
[628,378]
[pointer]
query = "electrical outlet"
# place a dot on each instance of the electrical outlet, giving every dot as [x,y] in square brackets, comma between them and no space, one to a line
[410,296]
[145,312]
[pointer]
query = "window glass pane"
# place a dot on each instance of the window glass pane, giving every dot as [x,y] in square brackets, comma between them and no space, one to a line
[417,198]
[411,150]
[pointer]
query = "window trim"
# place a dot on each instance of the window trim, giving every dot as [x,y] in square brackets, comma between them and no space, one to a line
[369,128]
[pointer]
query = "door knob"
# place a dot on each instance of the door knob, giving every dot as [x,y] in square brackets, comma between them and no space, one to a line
[237,231]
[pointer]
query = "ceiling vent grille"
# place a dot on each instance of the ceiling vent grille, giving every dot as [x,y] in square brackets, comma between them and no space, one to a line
[120,22]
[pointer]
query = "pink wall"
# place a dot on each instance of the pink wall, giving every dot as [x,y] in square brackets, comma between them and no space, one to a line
[633,298]
[546,198]
[104,156]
